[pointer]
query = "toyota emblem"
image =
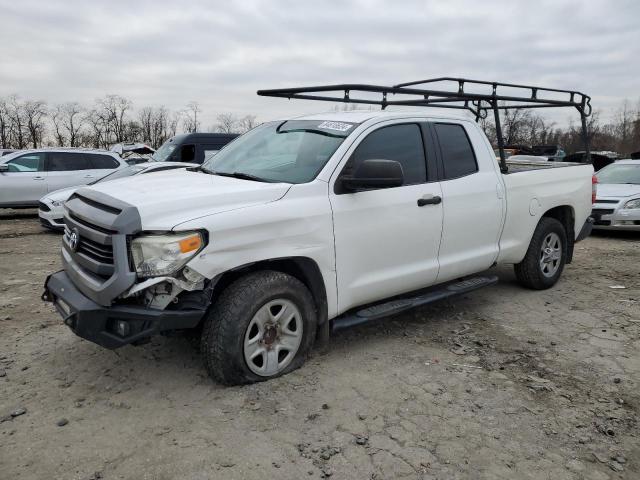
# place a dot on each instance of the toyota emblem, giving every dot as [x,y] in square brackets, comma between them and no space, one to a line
[74,240]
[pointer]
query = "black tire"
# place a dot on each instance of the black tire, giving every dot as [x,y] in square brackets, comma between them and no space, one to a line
[223,335]
[529,272]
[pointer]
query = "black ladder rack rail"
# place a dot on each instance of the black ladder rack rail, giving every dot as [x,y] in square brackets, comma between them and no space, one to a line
[419,94]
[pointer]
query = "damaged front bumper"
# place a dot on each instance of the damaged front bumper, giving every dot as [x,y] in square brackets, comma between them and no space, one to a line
[114,326]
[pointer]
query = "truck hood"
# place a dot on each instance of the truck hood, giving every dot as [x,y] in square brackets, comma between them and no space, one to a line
[166,199]
[617,190]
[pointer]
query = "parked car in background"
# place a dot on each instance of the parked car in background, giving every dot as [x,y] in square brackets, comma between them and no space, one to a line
[51,206]
[554,153]
[598,159]
[192,147]
[617,205]
[26,176]
[134,153]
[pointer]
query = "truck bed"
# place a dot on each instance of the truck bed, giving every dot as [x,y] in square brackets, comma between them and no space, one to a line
[525,166]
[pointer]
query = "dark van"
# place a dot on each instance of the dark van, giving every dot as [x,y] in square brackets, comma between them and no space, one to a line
[192,147]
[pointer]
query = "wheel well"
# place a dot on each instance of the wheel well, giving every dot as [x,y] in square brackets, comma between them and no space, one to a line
[564,214]
[302,268]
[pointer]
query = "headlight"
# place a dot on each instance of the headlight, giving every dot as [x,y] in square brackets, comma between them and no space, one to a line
[157,255]
[632,203]
[57,203]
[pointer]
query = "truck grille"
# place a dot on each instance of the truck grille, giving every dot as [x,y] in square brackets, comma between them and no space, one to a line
[91,249]
[95,245]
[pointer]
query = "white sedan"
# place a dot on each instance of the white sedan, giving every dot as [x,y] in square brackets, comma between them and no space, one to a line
[51,206]
[617,204]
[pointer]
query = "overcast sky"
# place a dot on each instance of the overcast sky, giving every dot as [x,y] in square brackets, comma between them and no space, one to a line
[171,52]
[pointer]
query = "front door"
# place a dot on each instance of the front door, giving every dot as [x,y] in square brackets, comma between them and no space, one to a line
[387,241]
[25,181]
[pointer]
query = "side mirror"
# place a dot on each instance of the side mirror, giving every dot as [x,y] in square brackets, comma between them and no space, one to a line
[4,167]
[374,173]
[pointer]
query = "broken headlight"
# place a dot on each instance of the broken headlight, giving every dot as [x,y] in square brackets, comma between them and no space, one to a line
[157,255]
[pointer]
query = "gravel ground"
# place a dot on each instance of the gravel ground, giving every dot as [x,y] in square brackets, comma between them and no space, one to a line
[502,383]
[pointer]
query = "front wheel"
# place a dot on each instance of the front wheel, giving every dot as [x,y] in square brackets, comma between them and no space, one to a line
[261,327]
[545,259]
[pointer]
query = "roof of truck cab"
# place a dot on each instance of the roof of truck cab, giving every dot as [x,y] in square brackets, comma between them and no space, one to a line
[360,116]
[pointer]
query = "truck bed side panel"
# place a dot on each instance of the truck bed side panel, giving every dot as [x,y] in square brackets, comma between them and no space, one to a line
[532,193]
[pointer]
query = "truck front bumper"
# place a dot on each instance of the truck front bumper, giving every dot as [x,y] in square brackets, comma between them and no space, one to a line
[115,326]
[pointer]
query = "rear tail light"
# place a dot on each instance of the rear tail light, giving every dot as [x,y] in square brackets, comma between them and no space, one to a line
[594,188]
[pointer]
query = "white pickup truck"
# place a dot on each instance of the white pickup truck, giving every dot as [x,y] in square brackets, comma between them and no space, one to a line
[304,226]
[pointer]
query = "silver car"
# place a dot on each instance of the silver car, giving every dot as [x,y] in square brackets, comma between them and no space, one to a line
[617,204]
[51,206]
[28,175]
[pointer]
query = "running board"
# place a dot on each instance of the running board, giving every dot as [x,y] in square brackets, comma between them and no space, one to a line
[398,305]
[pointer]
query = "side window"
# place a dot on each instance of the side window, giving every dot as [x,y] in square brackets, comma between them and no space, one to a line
[187,153]
[102,162]
[457,153]
[32,162]
[67,161]
[210,151]
[402,143]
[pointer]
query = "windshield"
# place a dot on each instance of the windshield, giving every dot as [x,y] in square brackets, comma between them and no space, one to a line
[620,173]
[164,152]
[121,173]
[292,152]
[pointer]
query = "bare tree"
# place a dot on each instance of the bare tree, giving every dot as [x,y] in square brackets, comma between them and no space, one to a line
[18,123]
[246,123]
[73,121]
[35,112]
[96,122]
[191,122]
[145,117]
[5,122]
[227,123]
[113,111]
[56,119]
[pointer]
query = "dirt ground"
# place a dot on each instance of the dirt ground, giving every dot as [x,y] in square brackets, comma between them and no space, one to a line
[503,383]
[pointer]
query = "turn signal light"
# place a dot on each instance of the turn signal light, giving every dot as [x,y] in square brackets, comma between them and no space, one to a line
[190,244]
[594,188]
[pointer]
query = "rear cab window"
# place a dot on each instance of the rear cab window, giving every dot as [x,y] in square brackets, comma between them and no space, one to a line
[458,157]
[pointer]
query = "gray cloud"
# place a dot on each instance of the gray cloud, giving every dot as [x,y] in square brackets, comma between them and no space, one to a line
[220,53]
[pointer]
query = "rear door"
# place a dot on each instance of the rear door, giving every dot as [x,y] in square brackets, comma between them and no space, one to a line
[472,199]
[25,182]
[67,169]
[386,241]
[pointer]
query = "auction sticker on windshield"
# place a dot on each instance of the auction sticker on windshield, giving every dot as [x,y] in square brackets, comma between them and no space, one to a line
[338,126]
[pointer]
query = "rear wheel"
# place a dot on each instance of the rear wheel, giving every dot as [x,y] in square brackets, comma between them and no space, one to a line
[545,259]
[261,327]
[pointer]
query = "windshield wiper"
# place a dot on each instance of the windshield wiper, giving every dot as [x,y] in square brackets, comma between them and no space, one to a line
[240,175]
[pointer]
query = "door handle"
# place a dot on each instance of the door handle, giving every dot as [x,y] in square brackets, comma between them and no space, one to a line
[38,178]
[429,200]
[88,176]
